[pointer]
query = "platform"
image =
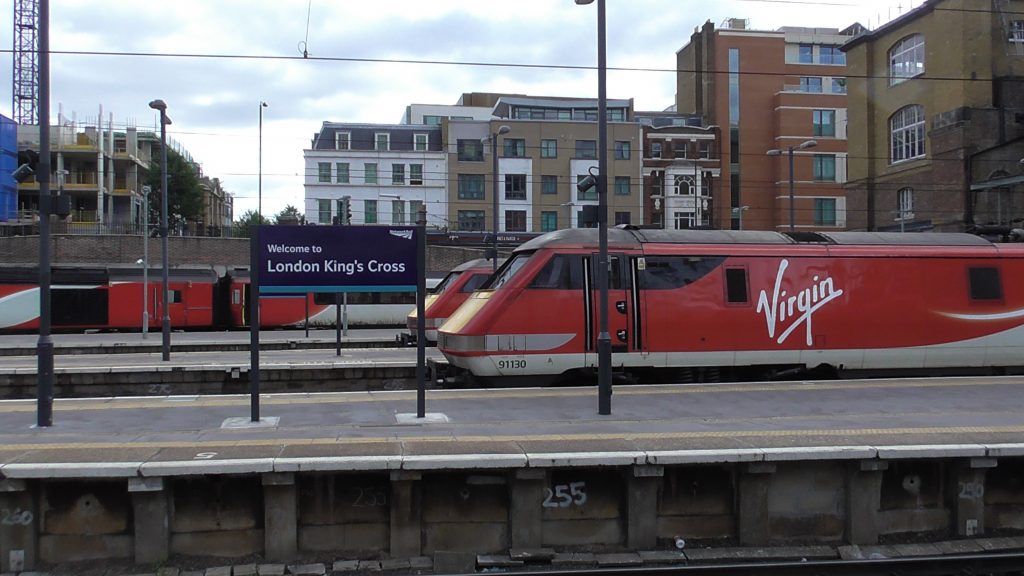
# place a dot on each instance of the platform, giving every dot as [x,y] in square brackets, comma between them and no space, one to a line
[752,464]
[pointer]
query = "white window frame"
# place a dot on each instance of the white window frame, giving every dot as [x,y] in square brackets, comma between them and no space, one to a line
[417,139]
[906,134]
[366,173]
[387,141]
[323,177]
[905,204]
[414,178]
[906,59]
[342,173]
[342,138]
[1016,35]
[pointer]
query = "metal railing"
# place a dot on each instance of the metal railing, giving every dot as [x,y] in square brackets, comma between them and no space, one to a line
[31,228]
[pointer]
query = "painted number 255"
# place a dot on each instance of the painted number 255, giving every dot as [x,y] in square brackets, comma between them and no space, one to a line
[565,495]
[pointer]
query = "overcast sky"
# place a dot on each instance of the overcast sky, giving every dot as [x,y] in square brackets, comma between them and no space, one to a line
[219,58]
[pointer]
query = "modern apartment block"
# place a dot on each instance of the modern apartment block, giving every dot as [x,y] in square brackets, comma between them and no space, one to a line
[551,144]
[936,100]
[771,90]
[383,172]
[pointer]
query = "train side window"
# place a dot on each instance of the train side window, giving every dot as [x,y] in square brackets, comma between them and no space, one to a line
[736,286]
[561,272]
[670,272]
[236,296]
[175,297]
[985,283]
[475,282]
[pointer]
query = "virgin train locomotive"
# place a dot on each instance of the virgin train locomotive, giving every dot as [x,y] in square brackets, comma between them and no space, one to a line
[706,305]
[448,295]
[201,298]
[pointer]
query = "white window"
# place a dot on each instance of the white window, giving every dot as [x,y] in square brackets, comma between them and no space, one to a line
[1017,31]
[342,140]
[906,134]
[682,220]
[905,204]
[906,59]
[683,185]
[382,141]
[420,142]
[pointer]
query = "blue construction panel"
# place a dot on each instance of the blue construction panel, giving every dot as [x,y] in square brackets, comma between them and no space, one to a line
[8,163]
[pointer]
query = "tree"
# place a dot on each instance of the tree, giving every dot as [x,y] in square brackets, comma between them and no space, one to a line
[290,215]
[185,198]
[247,220]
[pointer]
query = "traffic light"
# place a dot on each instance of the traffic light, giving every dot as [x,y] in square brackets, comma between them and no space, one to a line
[28,160]
[348,212]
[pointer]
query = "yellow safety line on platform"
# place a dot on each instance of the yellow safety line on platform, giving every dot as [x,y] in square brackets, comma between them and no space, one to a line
[122,403]
[732,434]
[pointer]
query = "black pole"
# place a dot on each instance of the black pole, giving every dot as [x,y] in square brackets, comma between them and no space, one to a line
[306,299]
[337,324]
[421,289]
[44,346]
[792,210]
[166,345]
[254,325]
[604,341]
[494,187]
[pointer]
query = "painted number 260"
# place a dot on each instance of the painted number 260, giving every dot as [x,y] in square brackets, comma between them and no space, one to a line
[565,495]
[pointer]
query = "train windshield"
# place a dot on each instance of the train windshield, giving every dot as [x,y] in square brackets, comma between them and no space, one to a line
[446,282]
[509,269]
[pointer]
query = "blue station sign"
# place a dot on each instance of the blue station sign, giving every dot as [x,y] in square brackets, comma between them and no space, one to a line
[294,259]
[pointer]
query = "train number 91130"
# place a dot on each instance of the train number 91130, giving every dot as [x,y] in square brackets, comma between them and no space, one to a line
[511,364]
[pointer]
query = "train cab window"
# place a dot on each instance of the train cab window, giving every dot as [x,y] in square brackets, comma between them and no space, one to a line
[444,284]
[175,296]
[985,283]
[670,272]
[562,272]
[507,271]
[736,286]
[236,296]
[475,282]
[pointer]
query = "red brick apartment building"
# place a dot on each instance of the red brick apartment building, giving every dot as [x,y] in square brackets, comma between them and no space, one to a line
[782,90]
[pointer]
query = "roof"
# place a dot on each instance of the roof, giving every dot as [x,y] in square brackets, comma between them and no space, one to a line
[927,7]
[619,238]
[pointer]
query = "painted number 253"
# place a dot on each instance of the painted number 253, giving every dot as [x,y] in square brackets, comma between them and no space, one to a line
[565,495]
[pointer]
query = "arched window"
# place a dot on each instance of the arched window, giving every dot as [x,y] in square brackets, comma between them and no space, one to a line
[906,59]
[684,185]
[905,204]
[906,134]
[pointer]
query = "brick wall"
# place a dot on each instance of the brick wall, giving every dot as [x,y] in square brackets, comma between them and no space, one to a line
[87,249]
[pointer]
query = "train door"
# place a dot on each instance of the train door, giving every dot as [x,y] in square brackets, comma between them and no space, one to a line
[623,322]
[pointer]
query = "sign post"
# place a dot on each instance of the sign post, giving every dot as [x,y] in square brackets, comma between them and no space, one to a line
[331,259]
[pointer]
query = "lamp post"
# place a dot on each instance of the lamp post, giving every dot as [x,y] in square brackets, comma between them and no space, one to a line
[738,213]
[259,193]
[166,329]
[44,345]
[494,187]
[604,341]
[777,152]
[145,261]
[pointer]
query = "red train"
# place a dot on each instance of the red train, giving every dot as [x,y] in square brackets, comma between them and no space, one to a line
[448,295]
[704,305]
[110,297]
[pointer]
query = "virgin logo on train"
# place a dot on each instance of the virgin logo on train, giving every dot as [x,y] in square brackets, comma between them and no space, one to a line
[790,311]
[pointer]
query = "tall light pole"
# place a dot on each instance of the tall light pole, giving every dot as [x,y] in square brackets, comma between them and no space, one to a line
[259,206]
[164,121]
[777,152]
[44,346]
[145,260]
[494,187]
[604,341]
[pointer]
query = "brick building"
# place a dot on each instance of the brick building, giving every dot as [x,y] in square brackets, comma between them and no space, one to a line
[936,101]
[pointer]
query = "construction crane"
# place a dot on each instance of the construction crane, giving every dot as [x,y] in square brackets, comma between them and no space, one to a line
[25,91]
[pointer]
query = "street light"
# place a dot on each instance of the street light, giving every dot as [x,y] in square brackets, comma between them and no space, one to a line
[494,186]
[777,152]
[164,121]
[738,213]
[604,341]
[259,206]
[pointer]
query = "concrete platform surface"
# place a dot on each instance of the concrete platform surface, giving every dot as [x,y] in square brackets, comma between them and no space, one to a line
[553,427]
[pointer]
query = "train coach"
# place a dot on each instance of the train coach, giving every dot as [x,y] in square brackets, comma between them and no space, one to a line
[91,297]
[708,305]
[447,295]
